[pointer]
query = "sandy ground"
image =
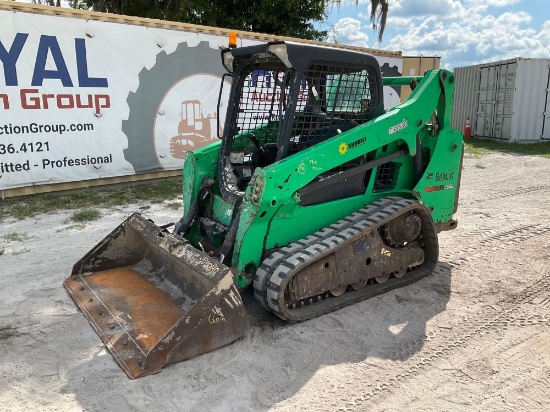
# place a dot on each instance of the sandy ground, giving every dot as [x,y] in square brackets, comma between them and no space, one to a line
[475,335]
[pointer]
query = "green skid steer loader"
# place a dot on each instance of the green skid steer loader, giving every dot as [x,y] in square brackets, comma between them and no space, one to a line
[314,195]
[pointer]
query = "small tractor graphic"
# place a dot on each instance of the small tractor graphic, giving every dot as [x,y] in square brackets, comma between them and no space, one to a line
[194,130]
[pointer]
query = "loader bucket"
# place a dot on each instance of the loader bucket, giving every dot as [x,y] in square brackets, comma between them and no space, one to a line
[154,299]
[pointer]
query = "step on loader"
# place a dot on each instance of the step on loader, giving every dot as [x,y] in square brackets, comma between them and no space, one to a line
[314,195]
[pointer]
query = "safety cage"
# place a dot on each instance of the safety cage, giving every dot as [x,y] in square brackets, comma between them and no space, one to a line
[283,111]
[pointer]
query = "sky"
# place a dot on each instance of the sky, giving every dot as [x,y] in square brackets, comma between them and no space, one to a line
[461,32]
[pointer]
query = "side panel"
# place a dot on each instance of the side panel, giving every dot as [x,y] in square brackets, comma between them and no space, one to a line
[530,99]
[439,184]
[464,102]
[546,114]
[197,165]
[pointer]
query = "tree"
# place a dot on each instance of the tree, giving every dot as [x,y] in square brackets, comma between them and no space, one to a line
[378,14]
[155,9]
[295,18]
[56,3]
[282,17]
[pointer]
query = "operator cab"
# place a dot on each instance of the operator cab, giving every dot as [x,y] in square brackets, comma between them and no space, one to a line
[287,97]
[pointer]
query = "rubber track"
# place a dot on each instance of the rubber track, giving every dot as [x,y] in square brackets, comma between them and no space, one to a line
[278,269]
[272,262]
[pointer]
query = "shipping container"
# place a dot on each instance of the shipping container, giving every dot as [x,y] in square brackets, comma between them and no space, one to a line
[505,100]
[464,104]
[417,66]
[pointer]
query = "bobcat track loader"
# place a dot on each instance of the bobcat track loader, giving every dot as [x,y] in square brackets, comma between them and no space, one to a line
[315,196]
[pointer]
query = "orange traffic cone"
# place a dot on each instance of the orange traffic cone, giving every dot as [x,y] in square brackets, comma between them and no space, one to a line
[467,130]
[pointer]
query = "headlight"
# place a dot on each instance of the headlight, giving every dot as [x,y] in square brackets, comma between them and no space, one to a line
[281,52]
[228,61]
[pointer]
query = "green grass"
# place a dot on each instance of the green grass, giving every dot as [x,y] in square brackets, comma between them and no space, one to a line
[85,215]
[29,206]
[2,251]
[15,237]
[480,147]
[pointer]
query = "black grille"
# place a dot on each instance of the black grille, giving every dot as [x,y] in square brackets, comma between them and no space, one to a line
[329,100]
[386,177]
[332,100]
[261,110]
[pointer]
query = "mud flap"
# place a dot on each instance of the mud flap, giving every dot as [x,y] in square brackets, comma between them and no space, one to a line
[154,299]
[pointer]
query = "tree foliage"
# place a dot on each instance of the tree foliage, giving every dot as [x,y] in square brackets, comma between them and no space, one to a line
[154,9]
[56,3]
[294,18]
[282,17]
[378,14]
